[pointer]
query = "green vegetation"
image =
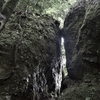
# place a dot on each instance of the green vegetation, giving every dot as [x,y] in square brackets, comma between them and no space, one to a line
[57,8]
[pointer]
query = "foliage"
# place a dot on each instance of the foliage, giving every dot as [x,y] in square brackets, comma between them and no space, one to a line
[57,8]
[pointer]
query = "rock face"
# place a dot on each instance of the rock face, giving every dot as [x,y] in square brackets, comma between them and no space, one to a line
[29,46]
[82,40]
[81,34]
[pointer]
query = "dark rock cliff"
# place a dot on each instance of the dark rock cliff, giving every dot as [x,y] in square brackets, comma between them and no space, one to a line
[29,46]
[81,34]
[82,39]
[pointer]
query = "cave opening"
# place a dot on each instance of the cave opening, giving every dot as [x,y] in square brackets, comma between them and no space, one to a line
[63,58]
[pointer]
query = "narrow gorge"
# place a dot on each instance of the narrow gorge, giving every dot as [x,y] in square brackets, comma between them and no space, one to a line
[49,50]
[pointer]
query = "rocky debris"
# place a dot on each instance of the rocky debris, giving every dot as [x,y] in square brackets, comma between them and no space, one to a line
[86,89]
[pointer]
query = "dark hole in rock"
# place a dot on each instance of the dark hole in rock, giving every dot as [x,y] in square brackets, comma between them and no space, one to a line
[0,23]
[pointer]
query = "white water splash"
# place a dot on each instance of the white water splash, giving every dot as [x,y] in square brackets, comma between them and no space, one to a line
[39,82]
[57,75]
[63,58]
[58,79]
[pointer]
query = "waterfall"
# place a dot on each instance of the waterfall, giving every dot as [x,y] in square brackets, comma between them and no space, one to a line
[57,75]
[63,58]
[39,83]
[58,67]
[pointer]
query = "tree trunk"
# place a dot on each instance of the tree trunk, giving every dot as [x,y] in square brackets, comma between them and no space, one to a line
[1,4]
[7,10]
